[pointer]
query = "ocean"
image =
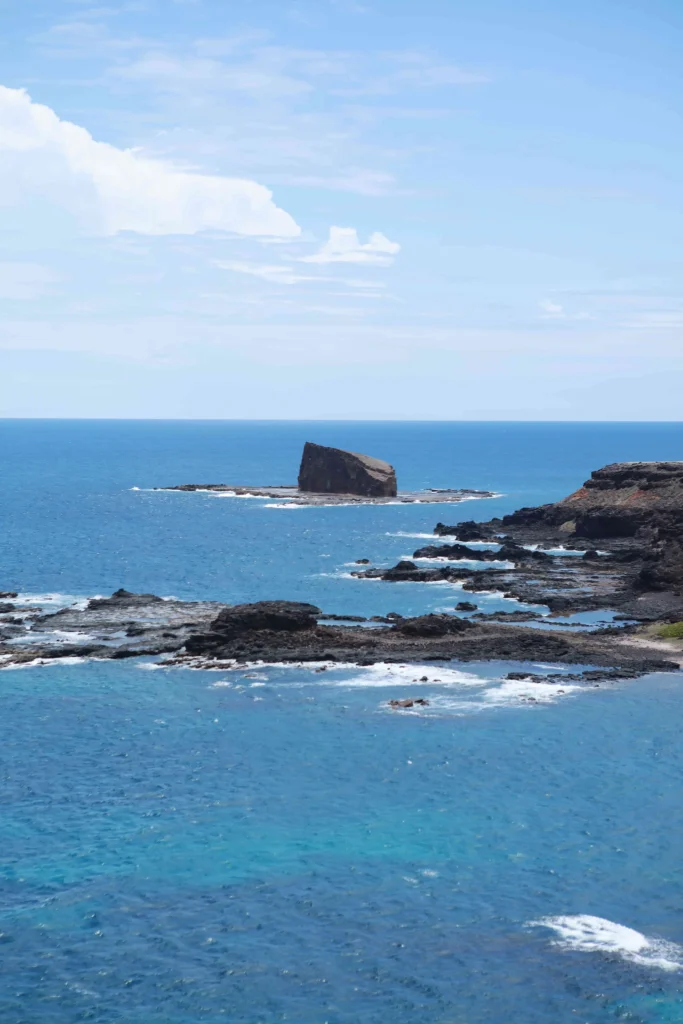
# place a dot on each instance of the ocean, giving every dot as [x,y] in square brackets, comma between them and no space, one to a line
[273,844]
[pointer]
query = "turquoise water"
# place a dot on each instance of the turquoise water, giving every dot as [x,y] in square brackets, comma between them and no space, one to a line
[274,844]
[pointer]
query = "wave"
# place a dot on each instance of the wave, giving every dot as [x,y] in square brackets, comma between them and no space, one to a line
[439,538]
[598,935]
[25,601]
[498,564]
[45,662]
[55,636]
[457,692]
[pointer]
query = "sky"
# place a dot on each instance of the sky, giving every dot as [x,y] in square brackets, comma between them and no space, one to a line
[342,209]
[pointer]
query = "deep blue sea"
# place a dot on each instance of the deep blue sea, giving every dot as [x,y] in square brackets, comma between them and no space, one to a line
[273,844]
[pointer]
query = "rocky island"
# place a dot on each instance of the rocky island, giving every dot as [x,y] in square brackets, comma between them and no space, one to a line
[333,476]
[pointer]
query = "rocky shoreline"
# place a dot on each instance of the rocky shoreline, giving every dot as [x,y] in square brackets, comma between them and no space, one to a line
[615,544]
[207,634]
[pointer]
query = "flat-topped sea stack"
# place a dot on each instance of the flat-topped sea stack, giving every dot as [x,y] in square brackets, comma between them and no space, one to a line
[334,471]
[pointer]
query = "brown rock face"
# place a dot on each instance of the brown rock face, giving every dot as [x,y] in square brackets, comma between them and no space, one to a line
[333,471]
[620,500]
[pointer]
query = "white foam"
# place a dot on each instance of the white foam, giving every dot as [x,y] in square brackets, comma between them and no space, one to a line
[384,674]
[58,636]
[590,934]
[234,494]
[57,600]
[493,693]
[287,504]
[443,539]
[522,691]
[497,564]
[45,662]
[559,550]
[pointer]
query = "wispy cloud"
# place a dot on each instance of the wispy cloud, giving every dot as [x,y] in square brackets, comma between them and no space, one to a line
[274,273]
[344,246]
[282,112]
[261,76]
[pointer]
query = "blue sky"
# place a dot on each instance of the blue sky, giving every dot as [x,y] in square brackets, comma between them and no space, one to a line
[341,209]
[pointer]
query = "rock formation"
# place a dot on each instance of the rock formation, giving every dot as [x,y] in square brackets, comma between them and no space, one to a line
[333,471]
[625,499]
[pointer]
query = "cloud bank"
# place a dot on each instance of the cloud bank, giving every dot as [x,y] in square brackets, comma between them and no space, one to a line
[112,190]
[344,246]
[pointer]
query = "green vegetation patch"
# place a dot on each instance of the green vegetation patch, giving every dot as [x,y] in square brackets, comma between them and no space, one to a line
[674,631]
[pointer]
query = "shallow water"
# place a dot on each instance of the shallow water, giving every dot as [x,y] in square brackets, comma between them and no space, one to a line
[277,844]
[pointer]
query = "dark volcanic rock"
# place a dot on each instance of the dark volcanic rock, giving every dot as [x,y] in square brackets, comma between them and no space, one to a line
[289,616]
[265,617]
[517,616]
[334,471]
[456,551]
[343,618]
[8,593]
[509,551]
[618,501]
[123,599]
[465,531]
[663,570]
[512,552]
[409,703]
[399,571]
[466,606]
[433,625]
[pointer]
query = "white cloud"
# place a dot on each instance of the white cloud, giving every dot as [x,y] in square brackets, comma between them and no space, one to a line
[552,310]
[275,273]
[114,190]
[344,246]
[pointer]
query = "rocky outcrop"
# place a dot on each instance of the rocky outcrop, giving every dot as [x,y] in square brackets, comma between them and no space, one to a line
[465,531]
[434,625]
[290,616]
[334,471]
[122,599]
[240,620]
[624,499]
